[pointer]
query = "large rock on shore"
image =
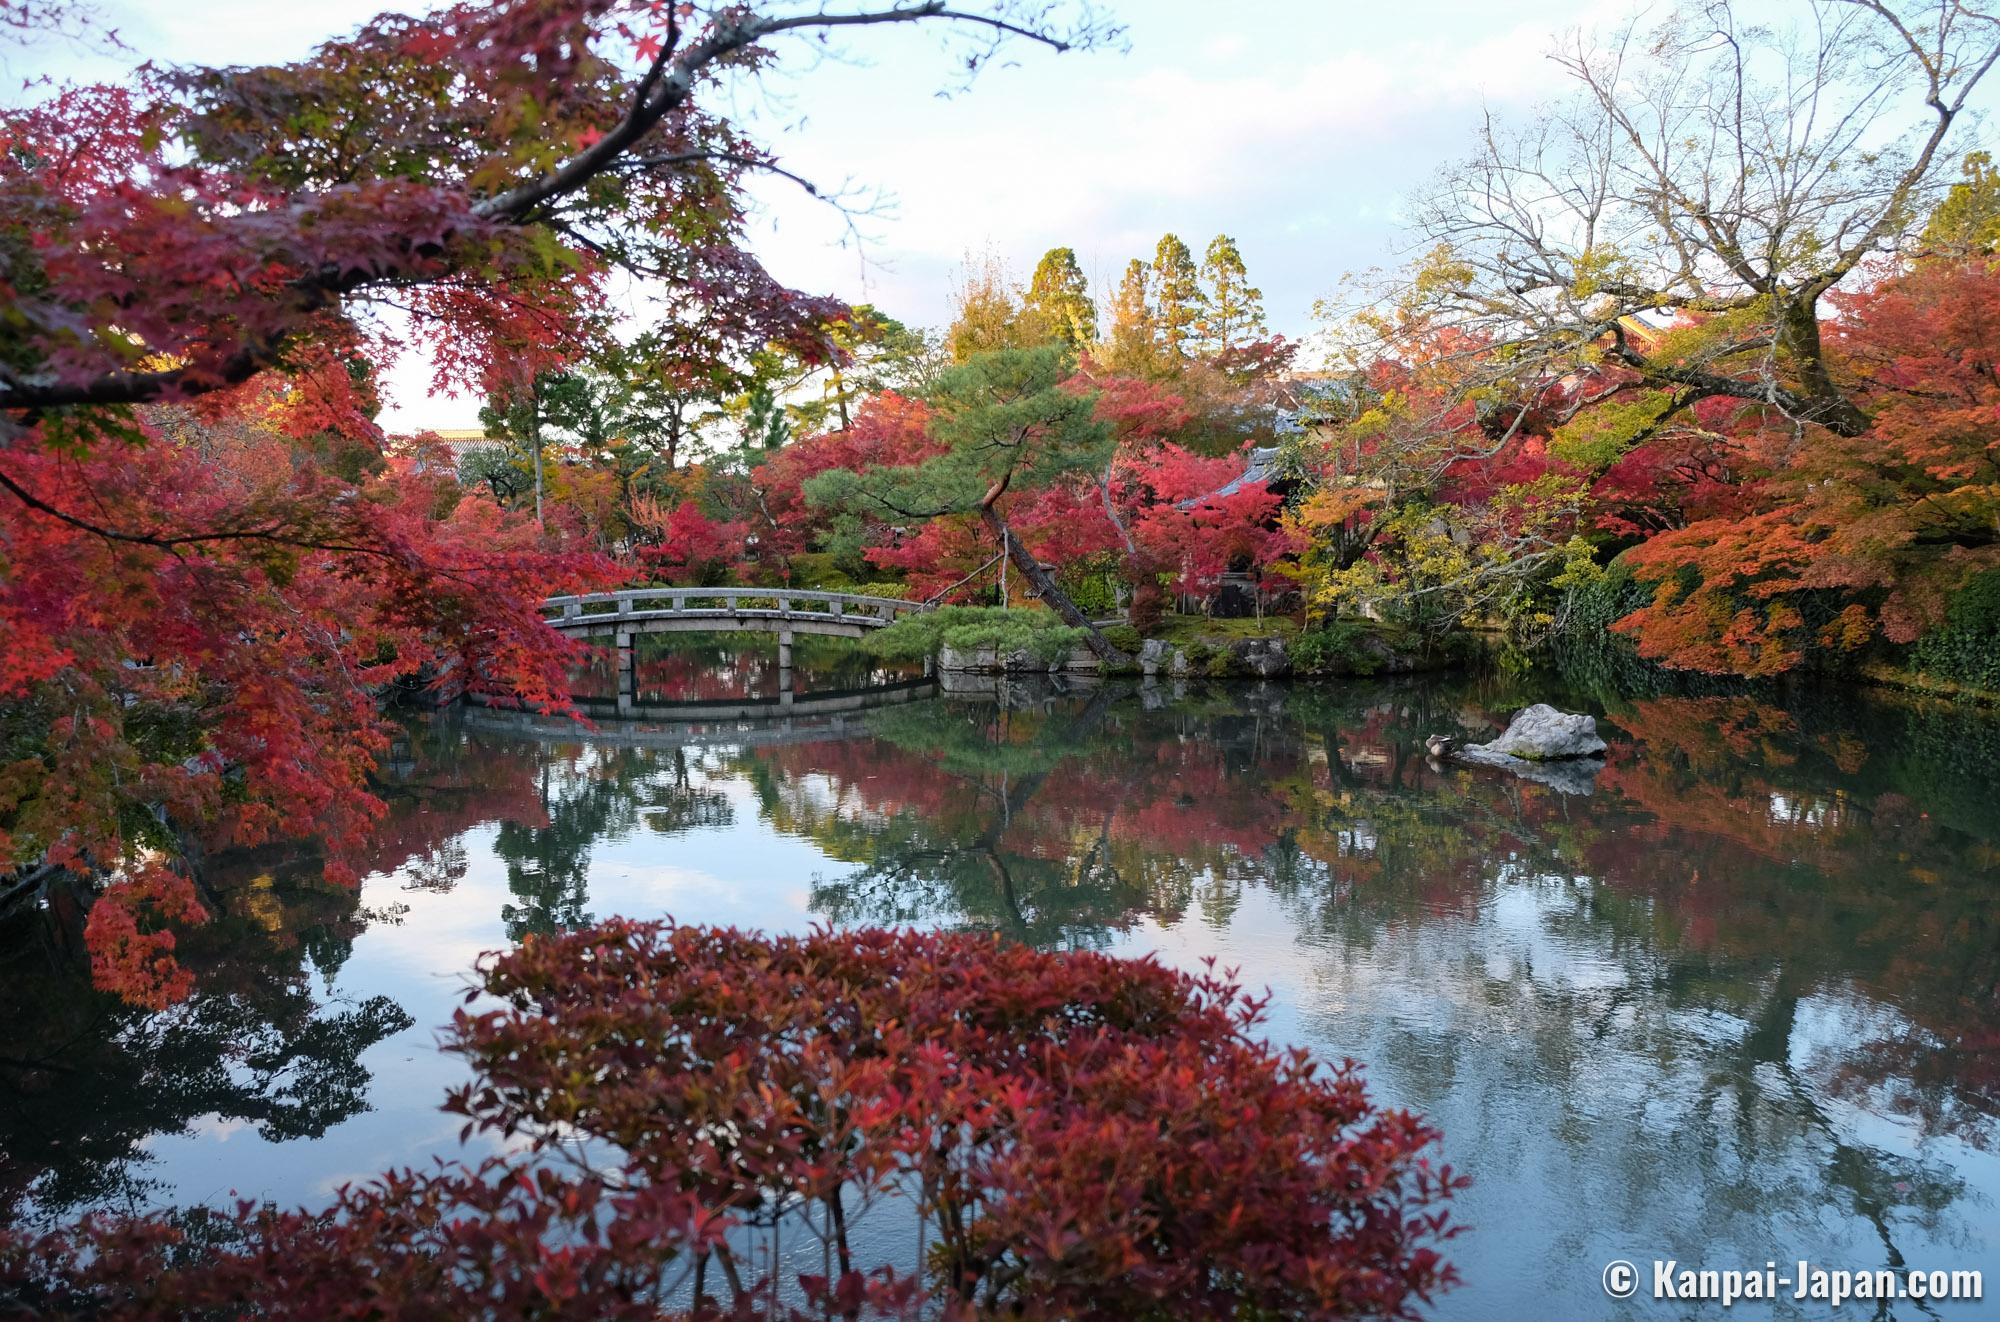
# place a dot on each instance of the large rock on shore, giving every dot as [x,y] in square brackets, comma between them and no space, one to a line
[1542,734]
[971,660]
[1263,658]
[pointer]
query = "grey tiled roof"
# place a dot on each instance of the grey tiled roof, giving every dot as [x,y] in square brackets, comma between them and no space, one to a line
[1261,466]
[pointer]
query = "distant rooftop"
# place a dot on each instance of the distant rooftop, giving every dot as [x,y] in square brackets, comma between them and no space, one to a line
[459,440]
[1260,465]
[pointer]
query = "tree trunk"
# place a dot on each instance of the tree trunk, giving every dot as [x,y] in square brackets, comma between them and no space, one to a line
[535,439]
[840,398]
[1111,511]
[1826,404]
[1051,593]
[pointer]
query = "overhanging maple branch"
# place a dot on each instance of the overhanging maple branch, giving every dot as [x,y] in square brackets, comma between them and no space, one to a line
[666,86]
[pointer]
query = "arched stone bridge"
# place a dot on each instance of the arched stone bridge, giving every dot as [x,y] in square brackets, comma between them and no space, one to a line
[784,612]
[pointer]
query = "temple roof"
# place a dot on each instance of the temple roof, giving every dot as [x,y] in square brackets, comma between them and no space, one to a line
[1261,465]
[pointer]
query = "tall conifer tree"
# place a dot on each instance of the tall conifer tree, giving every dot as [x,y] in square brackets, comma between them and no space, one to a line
[1968,219]
[1131,346]
[1178,303]
[1235,313]
[1059,297]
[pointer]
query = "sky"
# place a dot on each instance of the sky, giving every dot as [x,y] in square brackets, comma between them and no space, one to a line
[1296,126]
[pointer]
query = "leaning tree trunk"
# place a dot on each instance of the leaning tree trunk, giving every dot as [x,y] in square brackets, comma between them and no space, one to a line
[1050,591]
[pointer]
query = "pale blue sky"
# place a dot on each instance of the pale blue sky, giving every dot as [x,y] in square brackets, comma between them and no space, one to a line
[1296,126]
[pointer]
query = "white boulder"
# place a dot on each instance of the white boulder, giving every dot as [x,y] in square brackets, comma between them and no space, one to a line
[1542,734]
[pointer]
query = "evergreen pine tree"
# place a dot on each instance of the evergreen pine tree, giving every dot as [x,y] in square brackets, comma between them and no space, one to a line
[1131,347]
[1178,303]
[1059,297]
[1006,425]
[1235,313]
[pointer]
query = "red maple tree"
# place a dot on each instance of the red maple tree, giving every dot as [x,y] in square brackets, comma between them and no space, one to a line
[212,572]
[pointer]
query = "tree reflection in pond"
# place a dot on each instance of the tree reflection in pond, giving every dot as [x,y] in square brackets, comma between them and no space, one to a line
[86,1080]
[1740,1000]
[585,799]
[1749,937]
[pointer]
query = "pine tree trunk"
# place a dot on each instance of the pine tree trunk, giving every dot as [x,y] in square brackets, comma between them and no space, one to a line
[1049,590]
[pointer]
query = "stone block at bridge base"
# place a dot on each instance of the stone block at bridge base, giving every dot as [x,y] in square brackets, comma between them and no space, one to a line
[989,661]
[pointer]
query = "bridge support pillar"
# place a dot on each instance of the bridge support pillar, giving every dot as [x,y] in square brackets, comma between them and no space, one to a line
[785,665]
[623,641]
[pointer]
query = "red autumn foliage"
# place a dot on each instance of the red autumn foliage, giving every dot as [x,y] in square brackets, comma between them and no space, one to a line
[937,555]
[692,548]
[1064,523]
[139,964]
[1141,412]
[203,215]
[222,658]
[1824,547]
[1190,533]
[212,575]
[888,430]
[1081,1134]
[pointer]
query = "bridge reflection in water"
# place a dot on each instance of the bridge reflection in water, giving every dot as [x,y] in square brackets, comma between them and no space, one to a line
[715,677]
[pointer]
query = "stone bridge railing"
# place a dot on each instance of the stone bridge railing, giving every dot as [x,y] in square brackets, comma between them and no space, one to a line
[688,610]
[785,612]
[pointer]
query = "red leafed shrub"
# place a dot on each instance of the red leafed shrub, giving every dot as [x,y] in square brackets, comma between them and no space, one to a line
[693,548]
[1081,1136]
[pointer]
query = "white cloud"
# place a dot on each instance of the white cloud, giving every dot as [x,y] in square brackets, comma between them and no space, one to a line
[1305,158]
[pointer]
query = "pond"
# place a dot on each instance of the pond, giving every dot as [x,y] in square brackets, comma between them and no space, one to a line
[1736,1003]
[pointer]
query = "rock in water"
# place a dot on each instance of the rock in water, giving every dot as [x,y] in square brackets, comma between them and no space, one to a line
[1542,734]
[1571,775]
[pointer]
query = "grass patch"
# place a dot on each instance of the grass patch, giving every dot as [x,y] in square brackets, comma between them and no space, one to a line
[973,628]
[1185,629]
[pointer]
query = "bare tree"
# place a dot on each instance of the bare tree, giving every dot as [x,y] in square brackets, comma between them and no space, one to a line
[1705,169]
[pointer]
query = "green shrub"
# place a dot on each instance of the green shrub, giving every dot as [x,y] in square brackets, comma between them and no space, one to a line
[1335,649]
[816,569]
[1096,595]
[1123,637]
[1965,649]
[900,591]
[971,628]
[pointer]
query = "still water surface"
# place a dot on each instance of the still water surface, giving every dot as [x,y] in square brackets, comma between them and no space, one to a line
[1736,1003]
